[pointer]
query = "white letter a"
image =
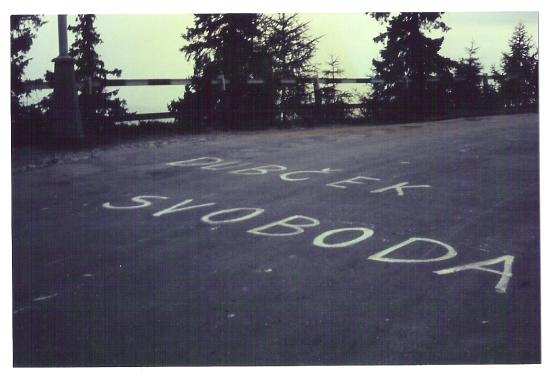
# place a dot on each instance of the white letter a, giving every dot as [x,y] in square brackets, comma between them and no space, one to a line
[506,274]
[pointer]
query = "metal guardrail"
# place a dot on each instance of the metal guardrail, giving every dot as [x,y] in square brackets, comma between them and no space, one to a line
[148,116]
[43,85]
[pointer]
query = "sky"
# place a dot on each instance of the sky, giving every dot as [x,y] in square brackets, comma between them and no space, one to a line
[147,46]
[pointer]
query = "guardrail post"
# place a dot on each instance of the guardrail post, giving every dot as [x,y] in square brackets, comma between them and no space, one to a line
[67,121]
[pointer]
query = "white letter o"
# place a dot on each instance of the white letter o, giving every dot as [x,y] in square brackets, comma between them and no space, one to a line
[255,212]
[320,239]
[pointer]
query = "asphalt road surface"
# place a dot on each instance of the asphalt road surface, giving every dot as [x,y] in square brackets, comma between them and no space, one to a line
[396,244]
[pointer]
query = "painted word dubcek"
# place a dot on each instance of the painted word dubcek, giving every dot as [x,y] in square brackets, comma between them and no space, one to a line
[243,168]
[298,224]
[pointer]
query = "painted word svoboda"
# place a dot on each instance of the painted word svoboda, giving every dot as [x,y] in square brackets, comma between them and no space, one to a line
[296,224]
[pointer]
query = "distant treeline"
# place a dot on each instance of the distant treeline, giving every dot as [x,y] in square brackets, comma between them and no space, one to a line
[414,81]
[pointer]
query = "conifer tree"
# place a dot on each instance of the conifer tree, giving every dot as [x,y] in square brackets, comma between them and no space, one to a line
[99,108]
[228,44]
[518,78]
[408,61]
[333,71]
[287,42]
[333,99]
[468,81]
[22,34]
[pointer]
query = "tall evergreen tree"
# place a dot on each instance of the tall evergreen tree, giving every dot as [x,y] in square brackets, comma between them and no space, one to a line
[287,42]
[22,33]
[408,61]
[467,89]
[227,40]
[228,44]
[333,71]
[518,78]
[333,100]
[99,108]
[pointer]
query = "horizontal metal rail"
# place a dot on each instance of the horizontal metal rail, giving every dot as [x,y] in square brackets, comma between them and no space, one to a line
[146,116]
[90,84]
[37,85]
[41,84]
[146,82]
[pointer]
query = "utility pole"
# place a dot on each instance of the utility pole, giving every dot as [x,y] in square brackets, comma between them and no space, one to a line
[66,113]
